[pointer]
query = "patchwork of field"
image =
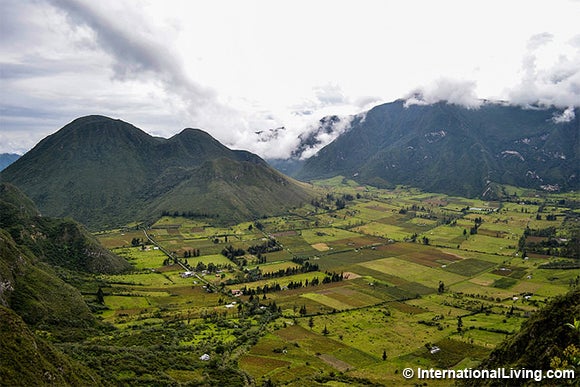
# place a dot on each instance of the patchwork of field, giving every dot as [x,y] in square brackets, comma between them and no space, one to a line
[387,277]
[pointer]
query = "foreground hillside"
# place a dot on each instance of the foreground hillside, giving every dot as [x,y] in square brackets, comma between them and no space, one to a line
[105,172]
[451,149]
[37,305]
[548,340]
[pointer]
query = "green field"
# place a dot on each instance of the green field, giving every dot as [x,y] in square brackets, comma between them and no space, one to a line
[405,266]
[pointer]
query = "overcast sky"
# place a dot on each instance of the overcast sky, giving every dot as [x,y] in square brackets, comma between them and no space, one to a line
[233,68]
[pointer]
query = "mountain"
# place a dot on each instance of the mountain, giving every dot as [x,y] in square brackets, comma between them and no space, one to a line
[105,172]
[452,149]
[6,159]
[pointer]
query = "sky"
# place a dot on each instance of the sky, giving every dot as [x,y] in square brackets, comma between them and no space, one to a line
[240,68]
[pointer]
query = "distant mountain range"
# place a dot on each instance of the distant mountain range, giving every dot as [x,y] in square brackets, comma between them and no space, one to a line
[6,159]
[105,172]
[449,148]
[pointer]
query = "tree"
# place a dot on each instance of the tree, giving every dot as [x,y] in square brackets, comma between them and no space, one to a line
[325,331]
[459,324]
[100,296]
[384,355]
[441,288]
[311,323]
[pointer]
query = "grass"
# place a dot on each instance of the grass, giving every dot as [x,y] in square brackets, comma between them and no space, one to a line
[413,272]
[390,303]
[469,267]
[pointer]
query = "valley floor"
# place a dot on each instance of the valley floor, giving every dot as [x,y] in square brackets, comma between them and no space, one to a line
[350,289]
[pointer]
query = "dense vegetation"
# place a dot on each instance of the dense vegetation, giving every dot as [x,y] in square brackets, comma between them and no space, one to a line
[451,149]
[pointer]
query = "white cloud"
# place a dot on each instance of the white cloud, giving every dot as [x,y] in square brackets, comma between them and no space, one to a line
[550,73]
[458,92]
[566,116]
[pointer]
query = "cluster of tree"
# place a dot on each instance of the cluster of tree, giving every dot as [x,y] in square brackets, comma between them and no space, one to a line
[550,245]
[449,221]
[328,278]
[476,223]
[188,214]
[305,268]
[326,202]
[551,217]
[191,253]
[136,242]
[211,267]
[414,207]
[269,246]
[233,255]
[299,260]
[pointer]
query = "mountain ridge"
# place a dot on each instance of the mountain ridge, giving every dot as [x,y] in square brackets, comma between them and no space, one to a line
[104,173]
[452,149]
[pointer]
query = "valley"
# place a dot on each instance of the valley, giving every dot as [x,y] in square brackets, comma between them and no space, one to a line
[351,288]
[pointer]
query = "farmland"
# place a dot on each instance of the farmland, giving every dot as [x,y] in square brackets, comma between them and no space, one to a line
[350,292]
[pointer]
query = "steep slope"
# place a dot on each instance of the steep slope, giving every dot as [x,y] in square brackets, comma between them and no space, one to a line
[452,149]
[30,248]
[226,188]
[106,173]
[31,361]
[543,337]
[34,291]
[6,159]
[59,242]
[92,163]
[34,298]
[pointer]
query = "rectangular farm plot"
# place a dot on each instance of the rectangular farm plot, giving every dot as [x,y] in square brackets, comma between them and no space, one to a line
[126,302]
[261,365]
[384,230]
[469,267]
[145,259]
[431,258]
[413,272]
[488,244]
[216,259]
[323,235]
[275,266]
[341,298]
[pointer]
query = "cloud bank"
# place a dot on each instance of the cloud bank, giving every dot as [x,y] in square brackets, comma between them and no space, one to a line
[547,83]
[457,92]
